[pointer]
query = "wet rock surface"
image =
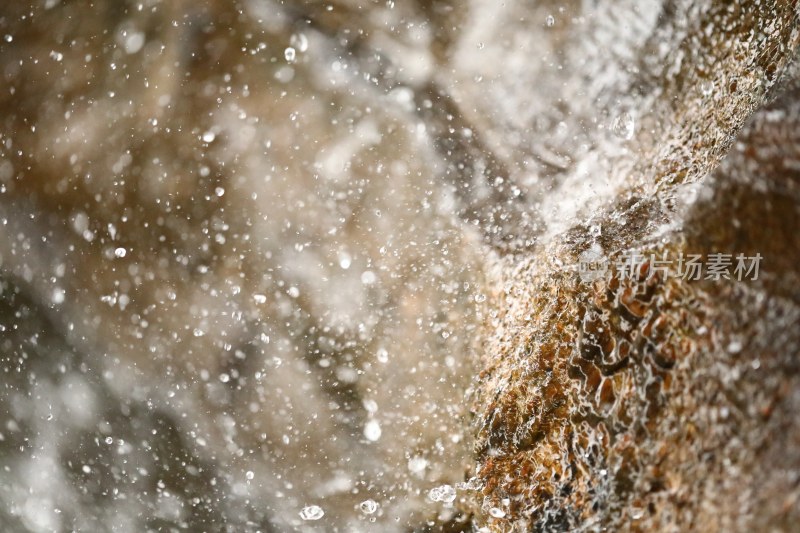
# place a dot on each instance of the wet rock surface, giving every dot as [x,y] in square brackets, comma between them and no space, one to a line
[645,400]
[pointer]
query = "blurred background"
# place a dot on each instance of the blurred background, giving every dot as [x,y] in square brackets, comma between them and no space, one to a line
[233,285]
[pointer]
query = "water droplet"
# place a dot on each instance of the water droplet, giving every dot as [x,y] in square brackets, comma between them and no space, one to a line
[299,41]
[417,465]
[372,430]
[595,230]
[120,252]
[58,295]
[550,21]
[404,96]
[312,512]
[249,475]
[497,512]
[284,74]
[345,260]
[706,87]
[382,355]
[443,493]
[134,42]
[289,54]
[369,506]
[209,136]
[735,346]
[624,125]
[293,292]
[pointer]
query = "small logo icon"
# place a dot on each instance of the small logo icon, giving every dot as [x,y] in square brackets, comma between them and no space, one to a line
[592,263]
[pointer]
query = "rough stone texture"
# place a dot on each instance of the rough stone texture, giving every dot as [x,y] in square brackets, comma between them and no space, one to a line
[656,403]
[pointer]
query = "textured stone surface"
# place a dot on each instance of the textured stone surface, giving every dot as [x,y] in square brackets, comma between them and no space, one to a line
[656,403]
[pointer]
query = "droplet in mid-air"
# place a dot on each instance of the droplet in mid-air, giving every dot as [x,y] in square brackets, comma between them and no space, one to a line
[299,42]
[372,430]
[624,125]
[417,465]
[345,260]
[550,21]
[58,296]
[312,512]
[133,42]
[369,506]
[382,355]
[289,54]
[368,277]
